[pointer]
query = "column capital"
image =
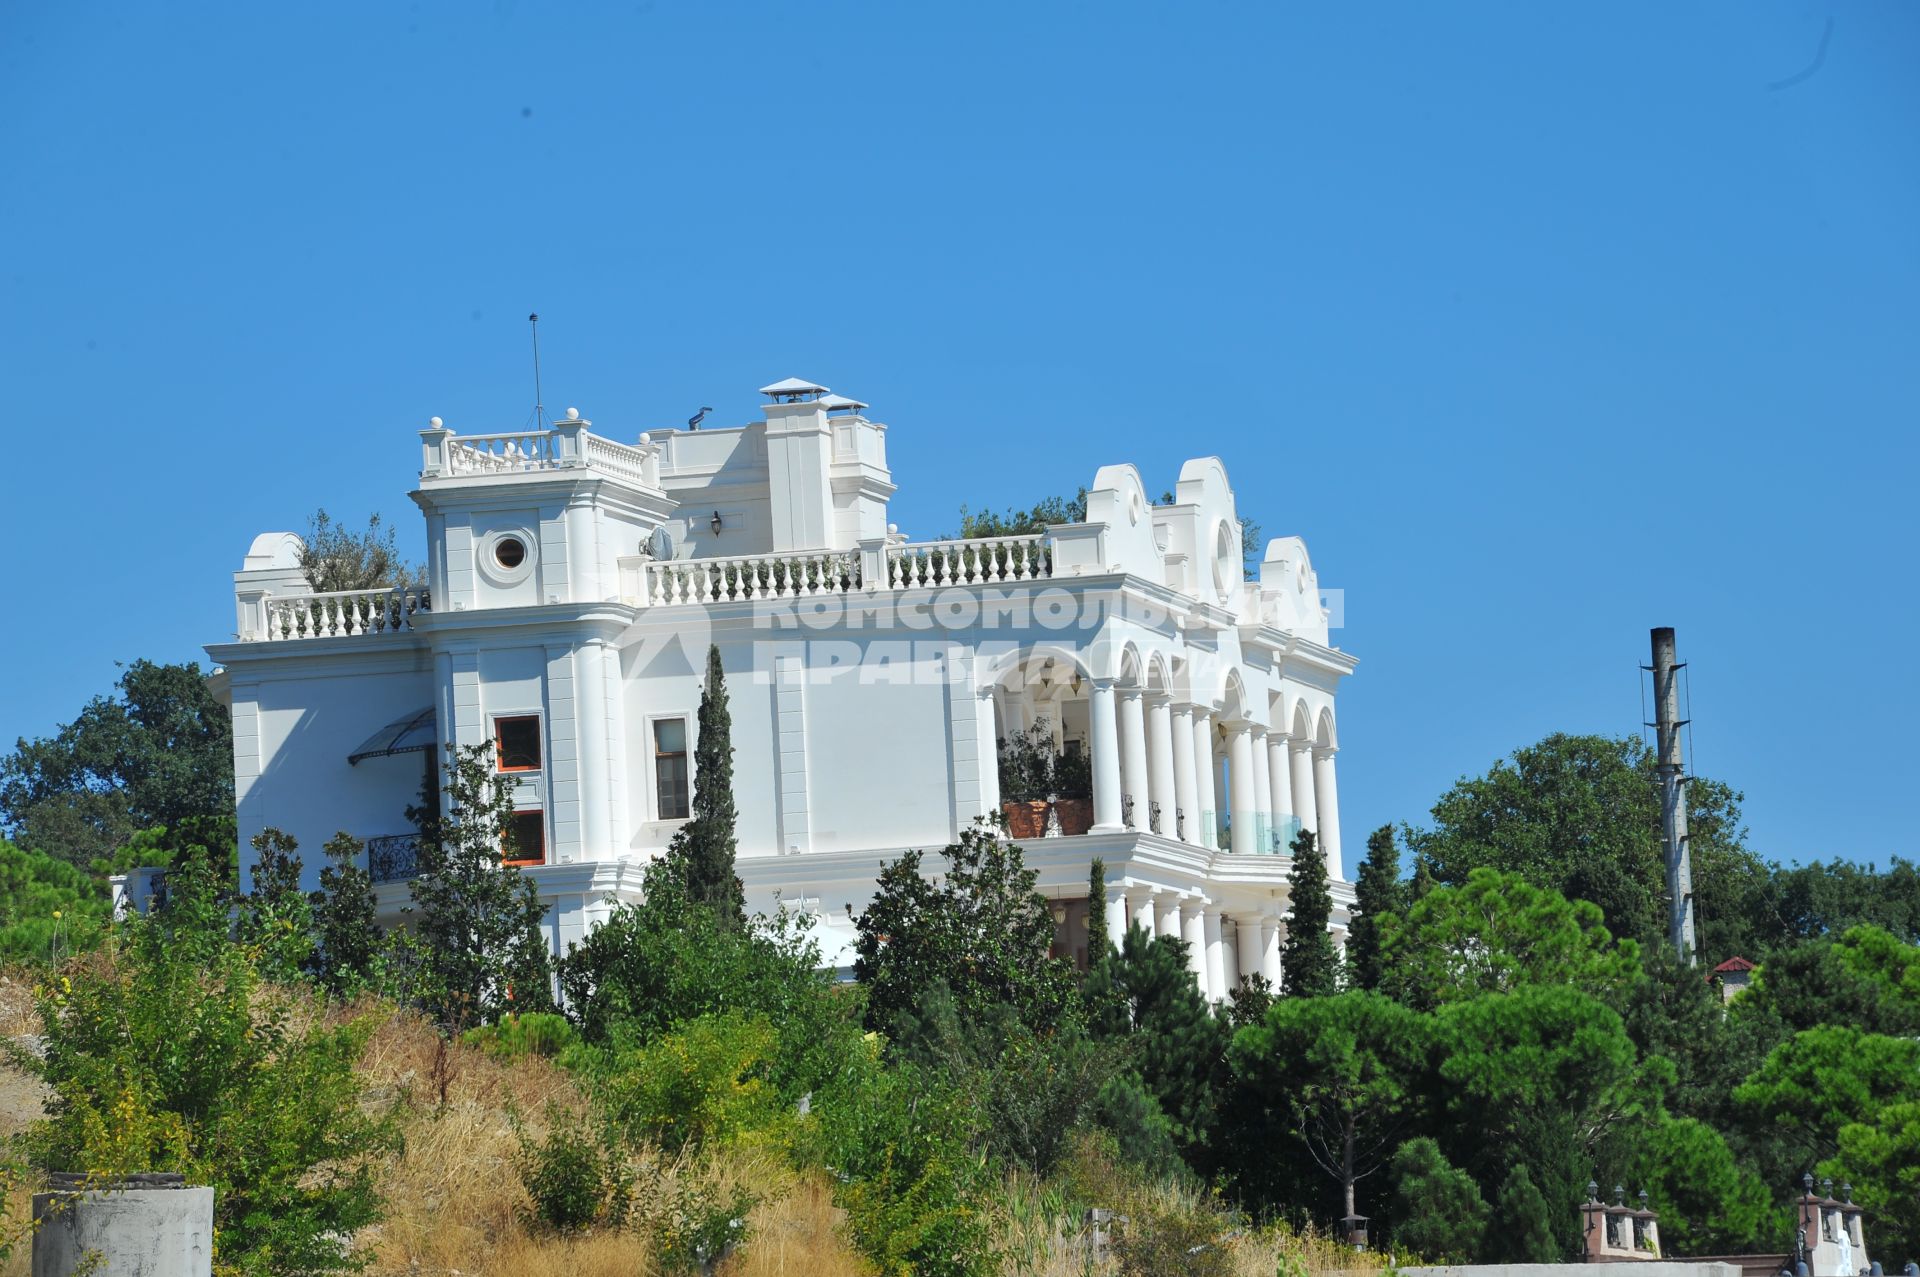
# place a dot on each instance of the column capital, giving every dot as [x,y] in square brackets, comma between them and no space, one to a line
[1201,712]
[1130,693]
[1323,751]
[1299,745]
[1101,684]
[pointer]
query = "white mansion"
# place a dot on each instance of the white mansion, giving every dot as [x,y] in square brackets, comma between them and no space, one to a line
[574,583]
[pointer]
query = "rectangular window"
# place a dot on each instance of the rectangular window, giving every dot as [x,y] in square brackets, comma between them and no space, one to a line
[670,767]
[517,743]
[526,838]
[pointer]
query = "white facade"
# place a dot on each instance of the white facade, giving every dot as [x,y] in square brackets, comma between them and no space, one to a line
[575,582]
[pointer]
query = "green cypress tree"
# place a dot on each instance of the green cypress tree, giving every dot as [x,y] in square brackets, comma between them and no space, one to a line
[703,849]
[1310,968]
[344,920]
[1099,939]
[1377,892]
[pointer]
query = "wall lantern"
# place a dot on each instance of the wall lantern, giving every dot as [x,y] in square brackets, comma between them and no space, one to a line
[715,523]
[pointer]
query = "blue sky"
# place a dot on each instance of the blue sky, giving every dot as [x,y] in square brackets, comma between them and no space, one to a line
[1543,324]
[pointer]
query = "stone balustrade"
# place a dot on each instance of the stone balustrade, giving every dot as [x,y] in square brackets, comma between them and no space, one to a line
[746,577]
[567,446]
[981,561]
[384,610]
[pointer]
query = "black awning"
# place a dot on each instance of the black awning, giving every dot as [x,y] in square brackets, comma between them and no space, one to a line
[414,734]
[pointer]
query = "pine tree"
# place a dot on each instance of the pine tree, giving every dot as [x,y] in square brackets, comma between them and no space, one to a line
[1310,966]
[1377,893]
[1173,1040]
[704,847]
[275,915]
[344,920]
[479,920]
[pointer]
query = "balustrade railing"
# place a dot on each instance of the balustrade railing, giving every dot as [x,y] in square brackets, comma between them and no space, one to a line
[760,576]
[982,561]
[503,453]
[343,612]
[393,857]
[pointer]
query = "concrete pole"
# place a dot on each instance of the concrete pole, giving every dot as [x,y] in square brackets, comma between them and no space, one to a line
[1208,816]
[1270,937]
[1166,914]
[1160,786]
[1326,800]
[1105,745]
[1133,758]
[1240,781]
[1116,907]
[1216,958]
[1670,767]
[1282,785]
[1300,762]
[1193,928]
[1262,793]
[1250,946]
[1184,822]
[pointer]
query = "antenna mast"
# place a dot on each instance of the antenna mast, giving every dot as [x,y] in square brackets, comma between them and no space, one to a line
[1673,793]
[539,410]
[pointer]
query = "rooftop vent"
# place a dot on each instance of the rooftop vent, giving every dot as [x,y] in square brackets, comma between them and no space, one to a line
[840,403]
[792,390]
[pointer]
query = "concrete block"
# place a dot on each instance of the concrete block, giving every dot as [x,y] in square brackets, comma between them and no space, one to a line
[132,1232]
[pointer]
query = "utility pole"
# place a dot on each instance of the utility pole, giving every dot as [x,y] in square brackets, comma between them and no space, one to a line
[1671,770]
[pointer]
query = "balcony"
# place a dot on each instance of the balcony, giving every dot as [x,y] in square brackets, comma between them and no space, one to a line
[393,857]
[904,566]
[344,612]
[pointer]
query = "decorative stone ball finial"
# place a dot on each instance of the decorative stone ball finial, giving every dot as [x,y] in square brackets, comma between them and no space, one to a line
[435,422]
[893,529]
[573,414]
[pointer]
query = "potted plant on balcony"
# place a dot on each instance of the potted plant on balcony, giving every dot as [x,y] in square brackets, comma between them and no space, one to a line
[1073,792]
[1026,780]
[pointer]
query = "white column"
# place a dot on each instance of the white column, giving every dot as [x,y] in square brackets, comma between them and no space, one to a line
[1166,914]
[1207,817]
[1270,938]
[1282,785]
[1326,801]
[1142,901]
[1106,757]
[1160,786]
[1262,793]
[1133,757]
[1193,930]
[1117,919]
[1250,948]
[1186,824]
[1216,958]
[590,762]
[1300,762]
[1240,781]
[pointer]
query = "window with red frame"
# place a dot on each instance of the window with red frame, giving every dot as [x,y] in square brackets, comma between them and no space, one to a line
[526,838]
[516,743]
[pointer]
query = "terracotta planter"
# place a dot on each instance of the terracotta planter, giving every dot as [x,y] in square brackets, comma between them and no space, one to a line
[1076,815]
[1025,820]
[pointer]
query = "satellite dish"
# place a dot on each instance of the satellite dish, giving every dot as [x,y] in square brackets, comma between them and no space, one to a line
[659,544]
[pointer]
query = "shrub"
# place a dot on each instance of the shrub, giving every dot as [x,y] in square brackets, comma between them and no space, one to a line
[705,1084]
[575,1180]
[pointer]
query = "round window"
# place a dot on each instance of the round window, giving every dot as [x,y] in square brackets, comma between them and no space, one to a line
[510,552]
